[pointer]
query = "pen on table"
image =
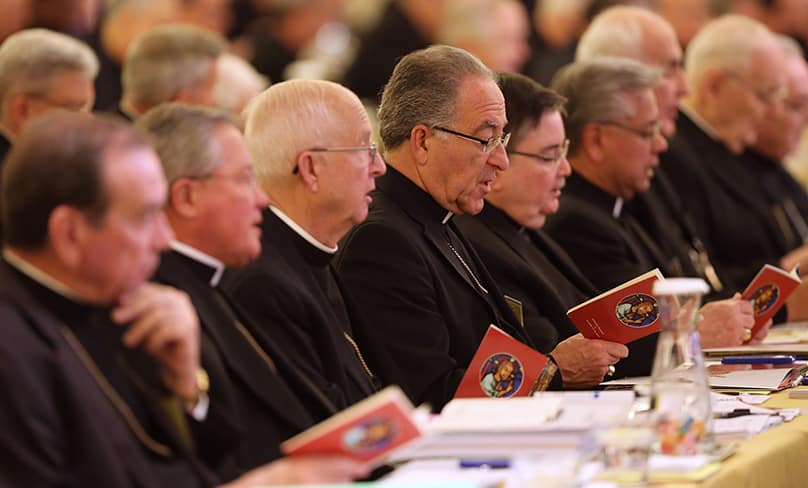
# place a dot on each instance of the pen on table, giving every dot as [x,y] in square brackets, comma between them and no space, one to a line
[485,463]
[738,412]
[758,360]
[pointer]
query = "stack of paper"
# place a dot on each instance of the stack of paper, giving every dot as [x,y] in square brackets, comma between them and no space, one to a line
[545,423]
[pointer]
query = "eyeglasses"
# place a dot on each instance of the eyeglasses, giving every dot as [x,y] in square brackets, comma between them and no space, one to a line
[648,134]
[552,160]
[488,144]
[371,148]
[245,179]
[765,96]
[71,106]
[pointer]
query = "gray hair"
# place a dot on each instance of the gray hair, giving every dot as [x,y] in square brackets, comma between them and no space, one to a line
[620,31]
[292,116]
[167,59]
[237,82]
[728,42]
[31,58]
[181,135]
[596,89]
[423,90]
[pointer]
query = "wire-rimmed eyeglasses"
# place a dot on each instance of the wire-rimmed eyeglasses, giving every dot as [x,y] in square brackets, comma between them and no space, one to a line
[371,148]
[488,144]
[552,159]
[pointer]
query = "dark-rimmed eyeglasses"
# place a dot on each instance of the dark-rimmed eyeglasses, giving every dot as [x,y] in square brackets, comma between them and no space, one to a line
[488,144]
[371,148]
[648,134]
[550,160]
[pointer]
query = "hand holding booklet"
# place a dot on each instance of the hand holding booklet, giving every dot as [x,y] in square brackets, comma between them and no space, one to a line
[503,367]
[623,314]
[367,431]
[768,291]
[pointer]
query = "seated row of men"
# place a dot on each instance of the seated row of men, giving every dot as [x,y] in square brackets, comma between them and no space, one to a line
[318,272]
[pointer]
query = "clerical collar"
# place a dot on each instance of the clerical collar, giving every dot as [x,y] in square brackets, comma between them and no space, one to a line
[41,277]
[618,208]
[302,232]
[197,255]
[700,122]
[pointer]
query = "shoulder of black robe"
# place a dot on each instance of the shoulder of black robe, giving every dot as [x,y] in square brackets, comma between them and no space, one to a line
[290,299]
[430,314]
[60,426]
[724,199]
[242,385]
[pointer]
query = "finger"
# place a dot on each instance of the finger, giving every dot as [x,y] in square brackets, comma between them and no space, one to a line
[135,306]
[140,329]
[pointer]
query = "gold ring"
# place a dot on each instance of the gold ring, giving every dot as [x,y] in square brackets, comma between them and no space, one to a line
[611,370]
[747,335]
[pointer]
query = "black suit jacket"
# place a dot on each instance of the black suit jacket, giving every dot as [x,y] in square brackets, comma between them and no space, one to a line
[786,197]
[726,202]
[529,266]
[59,426]
[259,397]
[605,251]
[287,296]
[415,292]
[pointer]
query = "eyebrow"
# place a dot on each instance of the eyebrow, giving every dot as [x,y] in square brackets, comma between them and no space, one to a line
[488,124]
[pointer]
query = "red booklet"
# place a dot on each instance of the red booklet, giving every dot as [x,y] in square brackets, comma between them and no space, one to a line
[768,291]
[367,431]
[623,314]
[503,367]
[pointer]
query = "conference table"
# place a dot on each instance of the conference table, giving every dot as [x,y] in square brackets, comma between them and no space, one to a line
[773,459]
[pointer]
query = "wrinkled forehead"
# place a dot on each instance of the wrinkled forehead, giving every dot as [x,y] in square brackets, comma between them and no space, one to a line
[479,101]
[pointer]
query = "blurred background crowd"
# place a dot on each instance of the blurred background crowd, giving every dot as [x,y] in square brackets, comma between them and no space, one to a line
[357,42]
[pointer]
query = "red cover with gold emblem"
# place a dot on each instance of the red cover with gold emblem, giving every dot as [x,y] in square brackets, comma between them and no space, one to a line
[623,314]
[503,367]
[367,431]
[768,291]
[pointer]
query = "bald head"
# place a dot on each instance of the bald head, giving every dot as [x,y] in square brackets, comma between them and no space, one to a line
[729,91]
[293,116]
[644,36]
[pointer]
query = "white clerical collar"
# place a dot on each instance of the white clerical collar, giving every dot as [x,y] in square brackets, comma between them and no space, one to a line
[700,122]
[302,232]
[41,277]
[618,208]
[197,255]
[448,217]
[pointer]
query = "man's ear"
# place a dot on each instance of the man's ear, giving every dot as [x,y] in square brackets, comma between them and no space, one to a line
[420,143]
[307,169]
[17,112]
[183,197]
[712,82]
[592,139]
[68,230]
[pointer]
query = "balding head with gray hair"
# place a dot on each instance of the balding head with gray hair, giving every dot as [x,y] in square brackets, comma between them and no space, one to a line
[621,31]
[172,62]
[595,91]
[730,42]
[423,89]
[181,135]
[292,116]
[30,61]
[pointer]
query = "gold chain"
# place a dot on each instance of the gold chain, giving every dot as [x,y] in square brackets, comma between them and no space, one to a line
[358,354]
